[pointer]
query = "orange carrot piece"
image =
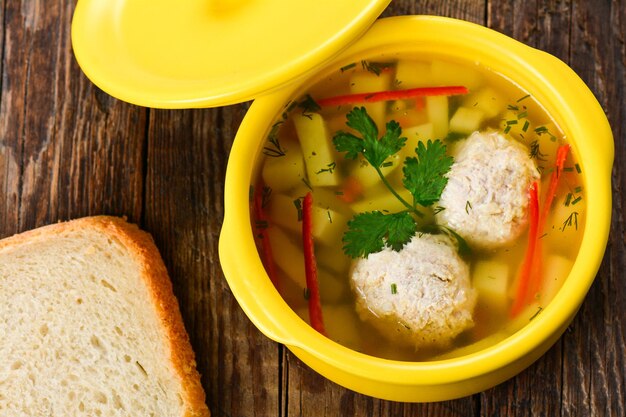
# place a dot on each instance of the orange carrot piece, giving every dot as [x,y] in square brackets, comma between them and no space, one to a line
[524,277]
[392,95]
[310,266]
[261,224]
[536,278]
[561,155]
[352,189]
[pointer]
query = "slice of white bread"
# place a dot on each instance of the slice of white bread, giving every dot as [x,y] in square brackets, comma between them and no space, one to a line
[89,326]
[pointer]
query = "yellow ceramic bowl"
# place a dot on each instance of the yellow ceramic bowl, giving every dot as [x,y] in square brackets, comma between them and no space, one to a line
[572,106]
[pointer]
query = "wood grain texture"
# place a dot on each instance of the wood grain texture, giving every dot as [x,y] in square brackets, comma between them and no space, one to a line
[68,149]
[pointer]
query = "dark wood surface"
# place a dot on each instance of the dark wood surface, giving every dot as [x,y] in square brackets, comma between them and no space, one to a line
[68,150]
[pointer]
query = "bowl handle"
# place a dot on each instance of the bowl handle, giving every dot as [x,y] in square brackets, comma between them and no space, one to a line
[248,290]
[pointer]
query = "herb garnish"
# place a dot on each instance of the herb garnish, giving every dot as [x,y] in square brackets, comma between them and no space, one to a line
[572,220]
[394,288]
[374,67]
[329,168]
[424,177]
[298,203]
[276,149]
[347,67]
[308,106]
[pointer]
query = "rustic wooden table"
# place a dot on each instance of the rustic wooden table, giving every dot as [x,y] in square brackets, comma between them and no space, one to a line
[68,149]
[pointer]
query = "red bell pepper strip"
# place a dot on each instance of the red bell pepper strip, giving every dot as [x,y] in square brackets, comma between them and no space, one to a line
[392,95]
[536,278]
[310,266]
[530,275]
[261,224]
[524,278]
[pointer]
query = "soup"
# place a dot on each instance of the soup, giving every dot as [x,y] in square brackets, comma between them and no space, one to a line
[444,206]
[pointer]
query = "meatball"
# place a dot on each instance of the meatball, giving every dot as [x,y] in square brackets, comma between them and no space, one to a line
[420,295]
[486,198]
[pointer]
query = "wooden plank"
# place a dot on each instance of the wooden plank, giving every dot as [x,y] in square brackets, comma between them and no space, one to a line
[184,210]
[537,390]
[67,149]
[594,363]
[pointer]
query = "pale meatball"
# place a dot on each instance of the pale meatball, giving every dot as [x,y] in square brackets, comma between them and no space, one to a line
[420,295]
[486,198]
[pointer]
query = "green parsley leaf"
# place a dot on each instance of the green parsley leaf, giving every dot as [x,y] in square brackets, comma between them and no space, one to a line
[424,176]
[370,232]
[374,150]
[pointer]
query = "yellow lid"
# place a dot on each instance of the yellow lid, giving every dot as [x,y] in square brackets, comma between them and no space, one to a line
[202,53]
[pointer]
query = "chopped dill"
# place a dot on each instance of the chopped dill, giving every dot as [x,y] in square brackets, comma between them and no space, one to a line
[387,164]
[536,313]
[330,219]
[265,196]
[541,129]
[578,168]
[289,108]
[347,67]
[306,182]
[276,149]
[522,115]
[338,192]
[523,98]
[507,129]
[308,106]
[535,152]
[468,206]
[394,288]
[578,189]
[454,136]
[568,199]
[572,220]
[298,203]
[512,107]
[261,224]
[438,209]
[542,236]
[576,200]
[374,67]
[330,168]
[526,126]
[511,122]
[568,169]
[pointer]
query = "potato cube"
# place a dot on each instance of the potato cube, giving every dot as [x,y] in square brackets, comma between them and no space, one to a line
[491,279]
[288,255]
[281,173]
[341,323]
[317,149]
[556,268]
[450,74]
[367,175]
[384,201]
[328,225]
[413,74]
[414,135]
[466,120]
[282,211]
[437,109]
[565,224]
[486,99]
[368,82]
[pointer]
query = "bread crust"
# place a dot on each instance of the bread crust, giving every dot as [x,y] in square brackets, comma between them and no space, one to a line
[141,247]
